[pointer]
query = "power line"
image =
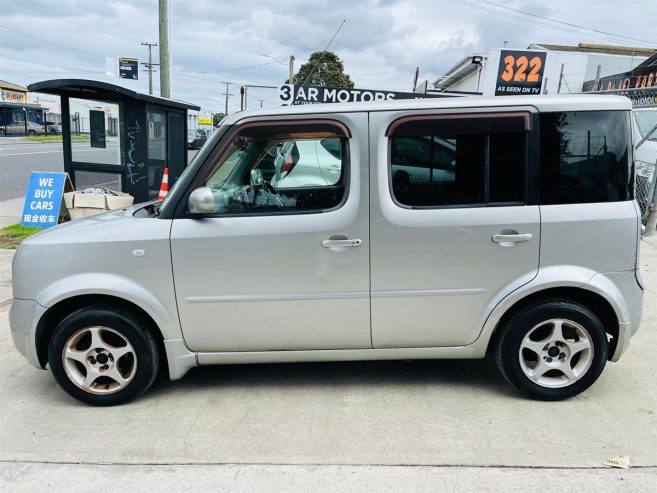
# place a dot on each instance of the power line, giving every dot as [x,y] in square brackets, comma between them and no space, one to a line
[319,59]
[47,65]
[50,42]
[566,23]
[71,20]
[538,23]
[220,72]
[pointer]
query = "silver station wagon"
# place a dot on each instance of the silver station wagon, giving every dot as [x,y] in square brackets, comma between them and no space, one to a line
[443,228]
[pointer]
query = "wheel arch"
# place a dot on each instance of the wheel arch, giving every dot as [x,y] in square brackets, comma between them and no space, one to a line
[595,302]
[59,311]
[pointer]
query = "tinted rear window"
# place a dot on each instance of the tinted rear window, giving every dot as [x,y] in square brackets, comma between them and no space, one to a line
[459,161]
[585,157]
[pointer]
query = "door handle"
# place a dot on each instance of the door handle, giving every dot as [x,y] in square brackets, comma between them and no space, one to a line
[512,238]
[341,243]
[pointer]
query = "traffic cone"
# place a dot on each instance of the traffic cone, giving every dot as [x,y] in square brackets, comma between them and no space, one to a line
[164,188]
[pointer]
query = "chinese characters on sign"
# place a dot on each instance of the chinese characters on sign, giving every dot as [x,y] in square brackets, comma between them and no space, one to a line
[520,73]
[43,199]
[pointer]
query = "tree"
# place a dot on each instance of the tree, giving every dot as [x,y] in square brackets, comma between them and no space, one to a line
[323,68]
[216,118]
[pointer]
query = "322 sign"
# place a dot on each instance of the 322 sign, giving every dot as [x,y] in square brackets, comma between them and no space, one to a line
[520,72]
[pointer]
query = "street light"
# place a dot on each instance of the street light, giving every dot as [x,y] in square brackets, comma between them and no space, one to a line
[269,56]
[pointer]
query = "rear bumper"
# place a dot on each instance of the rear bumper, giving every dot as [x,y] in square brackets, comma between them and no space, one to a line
[625,294]
[24,316]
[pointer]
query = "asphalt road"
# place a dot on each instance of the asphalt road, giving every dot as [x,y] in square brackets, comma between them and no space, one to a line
[18,159]
[383,426]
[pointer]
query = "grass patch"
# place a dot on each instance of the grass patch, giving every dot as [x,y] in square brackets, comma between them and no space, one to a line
[56,138]
[11,236]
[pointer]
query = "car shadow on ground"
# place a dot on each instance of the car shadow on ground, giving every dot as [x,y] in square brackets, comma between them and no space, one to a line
[480,375]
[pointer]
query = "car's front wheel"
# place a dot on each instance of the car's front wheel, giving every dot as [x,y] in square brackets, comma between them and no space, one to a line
[103,356]
[552,350]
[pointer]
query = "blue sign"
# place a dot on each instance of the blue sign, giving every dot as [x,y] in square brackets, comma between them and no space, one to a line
[43,199]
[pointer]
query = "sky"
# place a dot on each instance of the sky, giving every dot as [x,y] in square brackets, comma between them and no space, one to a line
[211,41]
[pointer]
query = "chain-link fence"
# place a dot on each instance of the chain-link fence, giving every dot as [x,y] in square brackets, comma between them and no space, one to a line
[644,122]
[645,157]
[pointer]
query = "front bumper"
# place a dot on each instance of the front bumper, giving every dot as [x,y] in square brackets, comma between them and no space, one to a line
[24,315]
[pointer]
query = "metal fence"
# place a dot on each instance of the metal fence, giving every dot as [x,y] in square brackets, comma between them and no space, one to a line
[645,158]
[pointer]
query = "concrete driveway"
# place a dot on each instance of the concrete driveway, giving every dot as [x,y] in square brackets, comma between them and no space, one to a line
[339,426]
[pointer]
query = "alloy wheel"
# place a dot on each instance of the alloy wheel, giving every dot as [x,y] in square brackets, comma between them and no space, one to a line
[99,360]
[556,353]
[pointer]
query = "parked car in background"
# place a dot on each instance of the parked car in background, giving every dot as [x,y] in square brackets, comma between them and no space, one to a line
[53,128]
[19,128]
[196,138]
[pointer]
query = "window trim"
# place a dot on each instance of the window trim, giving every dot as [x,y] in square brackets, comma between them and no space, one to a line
[218,153]
[526,115]
[528,164]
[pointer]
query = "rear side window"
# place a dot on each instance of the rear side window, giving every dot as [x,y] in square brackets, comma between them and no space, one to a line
[459,160]
[585,157]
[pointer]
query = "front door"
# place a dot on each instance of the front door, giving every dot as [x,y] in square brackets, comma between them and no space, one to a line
[283,262]
[452,231]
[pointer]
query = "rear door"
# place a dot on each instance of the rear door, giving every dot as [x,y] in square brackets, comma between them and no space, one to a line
[452,229]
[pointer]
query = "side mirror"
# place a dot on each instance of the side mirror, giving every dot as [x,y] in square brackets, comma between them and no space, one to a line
[256,178]
[201,201]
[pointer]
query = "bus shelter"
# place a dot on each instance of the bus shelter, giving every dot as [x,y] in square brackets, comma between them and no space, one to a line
[117,138]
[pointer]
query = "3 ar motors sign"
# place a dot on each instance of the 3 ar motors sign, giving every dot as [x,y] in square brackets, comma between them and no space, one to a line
[520,73]
[293,94]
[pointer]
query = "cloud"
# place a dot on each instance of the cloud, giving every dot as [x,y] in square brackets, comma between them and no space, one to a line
[212,41]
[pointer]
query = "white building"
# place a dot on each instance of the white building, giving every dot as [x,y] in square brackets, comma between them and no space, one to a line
[565,71]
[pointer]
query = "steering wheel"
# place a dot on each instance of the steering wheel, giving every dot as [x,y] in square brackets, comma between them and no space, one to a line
[273,193]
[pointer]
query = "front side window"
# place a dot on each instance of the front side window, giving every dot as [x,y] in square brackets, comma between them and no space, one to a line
[295,168]
[458,161]
[585,157]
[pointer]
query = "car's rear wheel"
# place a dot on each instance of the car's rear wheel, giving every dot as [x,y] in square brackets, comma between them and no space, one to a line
[102,356]
[552,350]
[31,133]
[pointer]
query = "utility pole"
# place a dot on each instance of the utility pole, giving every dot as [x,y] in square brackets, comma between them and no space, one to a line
[291,78]
[149,66]
[226,94]
[165,88]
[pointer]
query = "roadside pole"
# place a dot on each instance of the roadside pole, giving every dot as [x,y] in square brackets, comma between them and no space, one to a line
[149,66]
[291,77]
[165,90]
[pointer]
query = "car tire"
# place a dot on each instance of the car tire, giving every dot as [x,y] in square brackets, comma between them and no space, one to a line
[552,350]
[3,133]
[103,356]
[31,133]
